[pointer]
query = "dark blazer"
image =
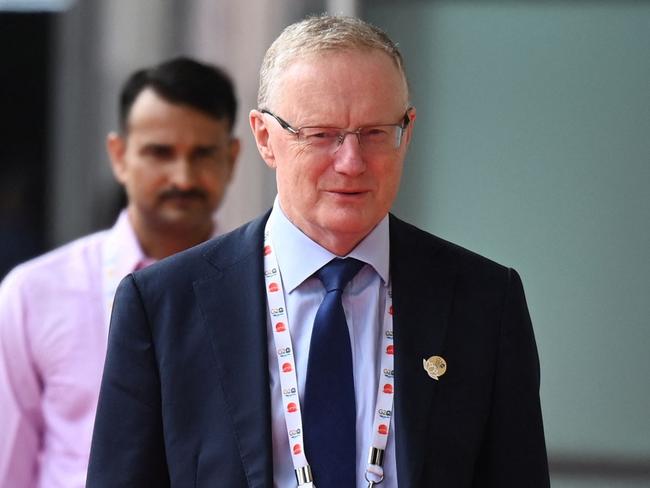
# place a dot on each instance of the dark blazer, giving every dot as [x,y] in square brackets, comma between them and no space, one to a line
[185,395]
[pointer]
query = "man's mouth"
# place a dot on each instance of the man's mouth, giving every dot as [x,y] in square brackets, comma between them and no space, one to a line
[347,192]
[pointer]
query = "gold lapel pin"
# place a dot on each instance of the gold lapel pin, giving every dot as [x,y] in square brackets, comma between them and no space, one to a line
[435,366]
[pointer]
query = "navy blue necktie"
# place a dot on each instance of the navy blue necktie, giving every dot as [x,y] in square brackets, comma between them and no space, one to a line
[329,416]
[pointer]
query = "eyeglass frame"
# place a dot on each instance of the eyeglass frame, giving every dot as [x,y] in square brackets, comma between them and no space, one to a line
[340,140]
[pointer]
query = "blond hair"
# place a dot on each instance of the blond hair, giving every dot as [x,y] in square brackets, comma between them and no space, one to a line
[317,34]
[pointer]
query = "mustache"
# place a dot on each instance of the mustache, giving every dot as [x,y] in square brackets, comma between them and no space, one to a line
[186,194]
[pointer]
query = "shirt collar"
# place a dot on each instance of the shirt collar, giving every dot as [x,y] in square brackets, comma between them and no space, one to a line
[299,257]
[122,247]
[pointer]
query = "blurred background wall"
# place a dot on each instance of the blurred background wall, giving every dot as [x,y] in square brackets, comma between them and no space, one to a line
[532,147]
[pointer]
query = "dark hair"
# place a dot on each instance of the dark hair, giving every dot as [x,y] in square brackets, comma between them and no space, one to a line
[185,81]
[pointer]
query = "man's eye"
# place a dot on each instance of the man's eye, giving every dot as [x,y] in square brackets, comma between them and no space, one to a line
[204,152]
[159,152]
[320,134]
[375,132]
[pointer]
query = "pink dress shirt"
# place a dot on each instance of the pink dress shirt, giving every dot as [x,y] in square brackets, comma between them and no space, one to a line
[54,313]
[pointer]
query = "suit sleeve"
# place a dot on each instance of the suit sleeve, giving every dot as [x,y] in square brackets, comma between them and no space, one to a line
[514,451]
[128,447]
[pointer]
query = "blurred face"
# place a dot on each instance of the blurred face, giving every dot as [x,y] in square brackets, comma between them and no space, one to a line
[175,163]
[335,197]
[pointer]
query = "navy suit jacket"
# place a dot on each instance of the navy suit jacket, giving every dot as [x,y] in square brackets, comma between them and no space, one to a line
[185,397]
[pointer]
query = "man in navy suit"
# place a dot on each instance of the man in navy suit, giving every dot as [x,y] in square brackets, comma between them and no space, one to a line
[219,371]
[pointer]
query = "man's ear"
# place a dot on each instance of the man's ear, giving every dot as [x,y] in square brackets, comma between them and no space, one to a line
[262,139]
[412,115]
[116,147]
[233,153]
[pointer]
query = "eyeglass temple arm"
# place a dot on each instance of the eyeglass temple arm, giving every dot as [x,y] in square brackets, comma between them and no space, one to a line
[406,120]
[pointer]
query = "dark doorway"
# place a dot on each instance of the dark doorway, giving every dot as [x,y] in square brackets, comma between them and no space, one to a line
[24,82]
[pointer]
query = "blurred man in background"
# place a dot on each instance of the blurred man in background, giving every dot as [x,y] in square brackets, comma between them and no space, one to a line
[174,155]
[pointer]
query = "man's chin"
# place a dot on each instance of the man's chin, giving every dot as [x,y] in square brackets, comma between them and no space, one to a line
[350,221]
[185,219]
[183,204]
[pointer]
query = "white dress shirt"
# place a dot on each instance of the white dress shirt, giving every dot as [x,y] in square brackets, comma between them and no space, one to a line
[363,302]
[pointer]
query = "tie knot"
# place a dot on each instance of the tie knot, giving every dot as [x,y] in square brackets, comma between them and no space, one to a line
[336,274]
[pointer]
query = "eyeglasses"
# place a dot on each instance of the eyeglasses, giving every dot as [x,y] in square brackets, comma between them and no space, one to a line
[373,139]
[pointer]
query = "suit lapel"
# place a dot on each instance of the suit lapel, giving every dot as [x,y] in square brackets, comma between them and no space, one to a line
[234,309]
[422,292]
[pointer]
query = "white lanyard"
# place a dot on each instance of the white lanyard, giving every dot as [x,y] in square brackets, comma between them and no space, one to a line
[289,382]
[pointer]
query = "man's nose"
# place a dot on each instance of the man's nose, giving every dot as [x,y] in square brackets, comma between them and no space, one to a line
[348,156]
[182,173]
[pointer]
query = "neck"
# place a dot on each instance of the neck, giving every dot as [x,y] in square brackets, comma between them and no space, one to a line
[338,245]
[165,245]
[337,242]
[158,242]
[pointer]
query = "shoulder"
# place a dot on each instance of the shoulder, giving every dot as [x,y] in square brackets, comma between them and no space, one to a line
[47,301]
[70,265]
[212,256]
[411,243]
